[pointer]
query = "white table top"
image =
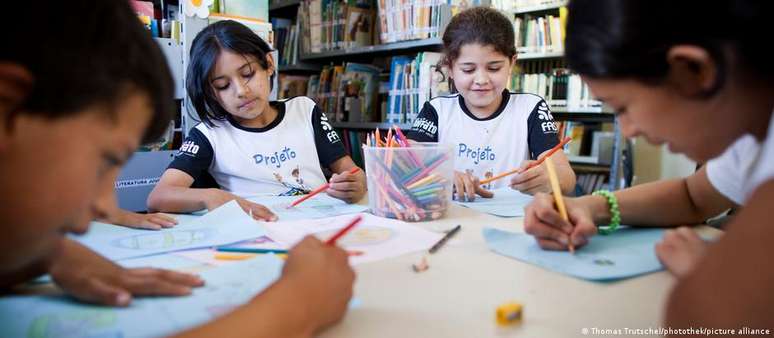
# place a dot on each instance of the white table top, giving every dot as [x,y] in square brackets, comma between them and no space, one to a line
[458,295]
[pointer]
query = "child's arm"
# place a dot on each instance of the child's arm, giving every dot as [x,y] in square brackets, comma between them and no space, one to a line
[731,287]
[108,211]
[89,277]
[173,193]
[345,186]
[536,179]
[466,187]
[689,200]
[312,294]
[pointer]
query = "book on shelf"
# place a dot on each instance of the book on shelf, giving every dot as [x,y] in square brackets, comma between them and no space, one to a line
[262,28]
[292,85]
[538,34]
[592,143]
[253,9]
[347,92]
[413,81]
[401,20]
[587,183]
[338,24]
[561,89]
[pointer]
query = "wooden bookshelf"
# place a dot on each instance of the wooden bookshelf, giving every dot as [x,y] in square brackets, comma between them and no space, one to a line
[397,48]
[301,67]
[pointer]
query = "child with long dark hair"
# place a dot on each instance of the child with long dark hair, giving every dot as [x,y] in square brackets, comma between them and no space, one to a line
[249,145]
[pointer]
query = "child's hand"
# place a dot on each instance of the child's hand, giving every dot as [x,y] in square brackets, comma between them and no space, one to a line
[322,278]
[89,277]
[135,220]
[680,250]
[466,187]
[347,187]
[219,197]
[531,181]
[543,221]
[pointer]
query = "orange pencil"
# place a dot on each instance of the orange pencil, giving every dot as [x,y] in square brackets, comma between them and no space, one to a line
[318,190]
[534,164]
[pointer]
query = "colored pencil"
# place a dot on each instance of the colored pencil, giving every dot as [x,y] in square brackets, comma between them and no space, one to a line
[532,165]
[318,190]
[557,190]
[251,250]
[344,230]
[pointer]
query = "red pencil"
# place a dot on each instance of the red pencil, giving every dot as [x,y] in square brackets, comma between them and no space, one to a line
[318,190]
[344,230]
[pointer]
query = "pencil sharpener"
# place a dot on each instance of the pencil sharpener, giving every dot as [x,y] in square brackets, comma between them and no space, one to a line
[509,314]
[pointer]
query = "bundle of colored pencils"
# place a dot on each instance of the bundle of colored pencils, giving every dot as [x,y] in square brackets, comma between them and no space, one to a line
[410,183]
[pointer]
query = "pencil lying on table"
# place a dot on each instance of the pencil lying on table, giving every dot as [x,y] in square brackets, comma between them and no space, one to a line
[532,165]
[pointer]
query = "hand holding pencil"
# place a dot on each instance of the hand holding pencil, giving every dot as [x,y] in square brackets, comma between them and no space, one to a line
[544,221]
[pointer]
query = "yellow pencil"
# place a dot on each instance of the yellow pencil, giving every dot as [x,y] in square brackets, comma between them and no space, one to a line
[558,195]
[232,256]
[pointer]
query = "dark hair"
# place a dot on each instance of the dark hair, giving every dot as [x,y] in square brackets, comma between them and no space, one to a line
[86,53]
[206,47]
[631,38]
[481,25]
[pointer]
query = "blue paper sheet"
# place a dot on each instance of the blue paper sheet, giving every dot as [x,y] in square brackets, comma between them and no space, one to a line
[224,225]
[58,316]
[319,206]
[626,253]
[505,203]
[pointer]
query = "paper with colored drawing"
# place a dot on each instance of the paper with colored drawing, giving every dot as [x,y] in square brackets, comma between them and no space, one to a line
[319,206]
[505,203]
[375,238]
[625,253]
[225,225]
[59,316]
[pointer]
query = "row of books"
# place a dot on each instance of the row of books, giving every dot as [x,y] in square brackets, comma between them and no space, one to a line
[413,81]
[542,34]
[524,5]
[588,183]
[401,20]
[560,89]
[347,93]
[338,24]
[286,35]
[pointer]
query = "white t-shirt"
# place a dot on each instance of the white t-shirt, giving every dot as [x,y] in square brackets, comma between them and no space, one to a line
[763,169]
[744,166]
[729,172]
[283,158]
[520,129]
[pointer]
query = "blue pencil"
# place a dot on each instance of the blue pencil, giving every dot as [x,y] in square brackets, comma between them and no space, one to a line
[252,250]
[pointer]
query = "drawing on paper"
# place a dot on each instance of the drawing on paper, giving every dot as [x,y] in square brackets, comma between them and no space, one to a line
[75,324]
[370,235]
[164,240]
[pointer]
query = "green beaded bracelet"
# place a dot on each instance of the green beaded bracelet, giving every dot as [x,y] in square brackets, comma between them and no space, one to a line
[615,214]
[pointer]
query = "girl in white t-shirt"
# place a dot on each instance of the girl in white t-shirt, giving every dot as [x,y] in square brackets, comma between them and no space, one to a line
[491,130]
[245,144]
[700,88]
